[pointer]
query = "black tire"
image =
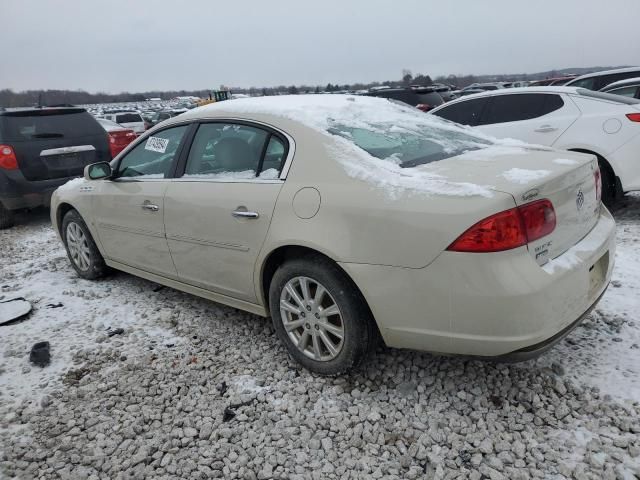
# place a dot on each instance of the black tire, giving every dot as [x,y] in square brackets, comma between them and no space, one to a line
[6,217]
[96,267]
[610,194]
[360,331]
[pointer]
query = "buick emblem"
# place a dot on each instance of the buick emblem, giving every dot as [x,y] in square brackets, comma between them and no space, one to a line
[579,199]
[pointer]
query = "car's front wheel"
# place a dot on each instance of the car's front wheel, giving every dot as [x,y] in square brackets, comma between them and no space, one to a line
[320,315]
[81,248]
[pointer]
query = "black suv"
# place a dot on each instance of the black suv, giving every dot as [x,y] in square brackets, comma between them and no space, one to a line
[424,98]
[42,148]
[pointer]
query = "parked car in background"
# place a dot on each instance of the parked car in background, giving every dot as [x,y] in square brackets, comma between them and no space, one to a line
[551,81]
[627,88]
[163,115]
[42,148]
[490,259]
[423,98]
[599,80]
[132,120]
[119,137]
[567,118]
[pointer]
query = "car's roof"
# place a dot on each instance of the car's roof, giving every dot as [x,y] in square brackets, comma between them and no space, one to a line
[575,91]
[607,72]
[14,111]
[622,83]
[508,91]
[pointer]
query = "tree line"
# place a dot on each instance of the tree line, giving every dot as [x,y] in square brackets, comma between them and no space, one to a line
[9,98]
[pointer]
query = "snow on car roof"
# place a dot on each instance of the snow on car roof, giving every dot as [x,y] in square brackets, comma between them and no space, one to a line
[324,112]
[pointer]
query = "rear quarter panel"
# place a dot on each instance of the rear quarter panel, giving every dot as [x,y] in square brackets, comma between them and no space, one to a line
[358,222]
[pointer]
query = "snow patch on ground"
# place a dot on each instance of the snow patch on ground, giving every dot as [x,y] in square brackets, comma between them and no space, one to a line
[35,266]
[604,351]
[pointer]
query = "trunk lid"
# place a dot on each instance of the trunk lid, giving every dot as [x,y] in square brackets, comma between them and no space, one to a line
[567,179]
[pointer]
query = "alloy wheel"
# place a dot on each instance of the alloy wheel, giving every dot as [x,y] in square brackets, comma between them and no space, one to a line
[78,245]
[312,319]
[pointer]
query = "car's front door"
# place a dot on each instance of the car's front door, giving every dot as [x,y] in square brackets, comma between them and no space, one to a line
[128,209]
[217,214]
[537,118]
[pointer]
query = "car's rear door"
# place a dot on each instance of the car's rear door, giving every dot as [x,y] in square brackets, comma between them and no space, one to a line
[128,210]
[538,118]
[218,213]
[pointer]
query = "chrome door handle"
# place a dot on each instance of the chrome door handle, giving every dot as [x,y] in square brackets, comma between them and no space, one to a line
[150,207]
[245,214]
[545,129]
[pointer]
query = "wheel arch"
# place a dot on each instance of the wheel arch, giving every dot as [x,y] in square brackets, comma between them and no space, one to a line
[618,188]
[279,255]
[61,210]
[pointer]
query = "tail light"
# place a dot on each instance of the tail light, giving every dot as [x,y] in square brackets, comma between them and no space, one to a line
[598,179]
[634,117]
[509,229]
[425,107]
[8,160]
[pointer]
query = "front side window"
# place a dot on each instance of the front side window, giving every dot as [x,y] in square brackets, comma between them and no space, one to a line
[228,151]
[518,107]
[465,113]
[153,158]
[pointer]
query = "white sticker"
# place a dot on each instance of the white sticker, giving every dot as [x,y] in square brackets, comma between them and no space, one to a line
[156,144]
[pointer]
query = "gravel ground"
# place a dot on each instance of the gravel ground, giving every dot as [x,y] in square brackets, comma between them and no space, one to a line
[192,389]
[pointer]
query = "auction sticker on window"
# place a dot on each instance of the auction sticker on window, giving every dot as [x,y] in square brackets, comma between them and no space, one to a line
[156,144]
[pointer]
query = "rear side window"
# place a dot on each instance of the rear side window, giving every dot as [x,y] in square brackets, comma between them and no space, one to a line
[228,151]
[48,124]
[465,113]
[616,77]
[625,91]
[518,107]
[128,118]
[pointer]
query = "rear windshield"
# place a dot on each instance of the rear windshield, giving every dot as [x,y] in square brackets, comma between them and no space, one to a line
[408,146]
[609,97]
[48,124]
[128,118]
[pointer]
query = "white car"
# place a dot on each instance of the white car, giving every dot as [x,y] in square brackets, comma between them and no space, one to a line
[342,217]
[131,120]
[599,80]
[566,118]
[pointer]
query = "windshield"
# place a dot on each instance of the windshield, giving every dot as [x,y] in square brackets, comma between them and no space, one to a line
[409,145]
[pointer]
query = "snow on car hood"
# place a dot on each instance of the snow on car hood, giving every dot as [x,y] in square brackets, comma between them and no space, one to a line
[323,113]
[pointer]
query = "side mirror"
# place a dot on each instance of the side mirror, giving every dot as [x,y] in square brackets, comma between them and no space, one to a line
[96,171]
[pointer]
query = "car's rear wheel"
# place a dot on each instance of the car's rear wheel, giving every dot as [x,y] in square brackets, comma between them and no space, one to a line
[81,248]
[320,315]
[610,194]
[6,217]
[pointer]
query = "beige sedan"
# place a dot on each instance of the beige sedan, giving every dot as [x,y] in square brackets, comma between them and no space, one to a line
[347,219]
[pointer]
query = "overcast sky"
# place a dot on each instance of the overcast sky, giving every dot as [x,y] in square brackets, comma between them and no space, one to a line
[123,45]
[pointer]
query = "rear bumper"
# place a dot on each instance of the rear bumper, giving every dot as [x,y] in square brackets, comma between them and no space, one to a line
[16,192]
[538,349]
[489,305]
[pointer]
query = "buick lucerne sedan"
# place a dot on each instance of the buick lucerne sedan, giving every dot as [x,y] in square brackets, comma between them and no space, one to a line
[349,219]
